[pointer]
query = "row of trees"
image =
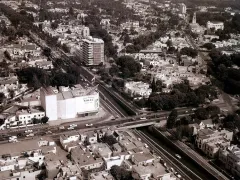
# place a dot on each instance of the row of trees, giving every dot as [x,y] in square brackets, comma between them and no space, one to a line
[181,95]
[43,120]
[189,52]
[37,78]
[199,115]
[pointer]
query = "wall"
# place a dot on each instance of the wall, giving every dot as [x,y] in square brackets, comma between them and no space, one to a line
[51,107]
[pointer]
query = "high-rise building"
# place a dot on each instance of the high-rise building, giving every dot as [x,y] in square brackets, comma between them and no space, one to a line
[93,51]
[183,8]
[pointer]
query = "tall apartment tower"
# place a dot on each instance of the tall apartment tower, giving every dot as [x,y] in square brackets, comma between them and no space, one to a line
[93,51]
[183,8]
[194,19]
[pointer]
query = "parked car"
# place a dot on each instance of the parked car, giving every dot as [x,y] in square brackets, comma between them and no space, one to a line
[89,125]
[73,125]
[30,135]
[28,131]
[61,127]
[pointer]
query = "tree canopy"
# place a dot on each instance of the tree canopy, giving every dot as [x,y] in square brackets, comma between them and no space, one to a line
[128,66]
[221,68]
[189,52]
[120,173]
[172,118]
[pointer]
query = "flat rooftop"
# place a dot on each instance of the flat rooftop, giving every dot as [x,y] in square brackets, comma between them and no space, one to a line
[157,169]
[21,146]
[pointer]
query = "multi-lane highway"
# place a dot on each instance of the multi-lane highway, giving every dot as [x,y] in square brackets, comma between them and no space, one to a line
[189,167]
[170,159]
[124,121]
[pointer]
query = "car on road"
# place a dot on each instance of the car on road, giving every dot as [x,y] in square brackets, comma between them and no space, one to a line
[28,131]
[73,125]
[30,135]
[165,164]
[61,127]
[178,156]
[70,128]
[194,109]
[145,145]
[88,125]
[143,118]
[186,111]
[178,175]
[171,169]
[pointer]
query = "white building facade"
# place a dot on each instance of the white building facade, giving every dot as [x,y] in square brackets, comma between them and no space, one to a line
[215,25]
[183,8]
[68,104]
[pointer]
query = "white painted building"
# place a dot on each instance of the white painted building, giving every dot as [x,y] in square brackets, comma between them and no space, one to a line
[183,8]
[137,89]
[69,103]
[215,25]
[210,141]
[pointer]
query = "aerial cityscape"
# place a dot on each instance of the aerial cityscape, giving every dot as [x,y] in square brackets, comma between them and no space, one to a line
[120,90]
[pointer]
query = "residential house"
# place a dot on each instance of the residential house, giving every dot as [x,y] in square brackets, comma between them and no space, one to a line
[210,141]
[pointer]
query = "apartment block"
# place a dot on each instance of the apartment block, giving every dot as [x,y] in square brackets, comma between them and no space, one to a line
[93,51]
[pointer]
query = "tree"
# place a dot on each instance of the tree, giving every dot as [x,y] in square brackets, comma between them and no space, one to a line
[54,25]
[7,55]
[153,85]
[71,11]
[65,48]
[209,46]
[47,51]
[114,70]
[189,52]
[23,12]
[141,103]
[232,121]
[201,114]
[35,121]
[44,119]
[110,140]
[159,85]
[11,93]
[2,97]
[120,173]
[169,43]
[128,66]
[236,22]
[213,110]
[172,119]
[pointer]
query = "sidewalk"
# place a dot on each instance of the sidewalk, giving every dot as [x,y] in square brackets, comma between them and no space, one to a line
[102,115]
